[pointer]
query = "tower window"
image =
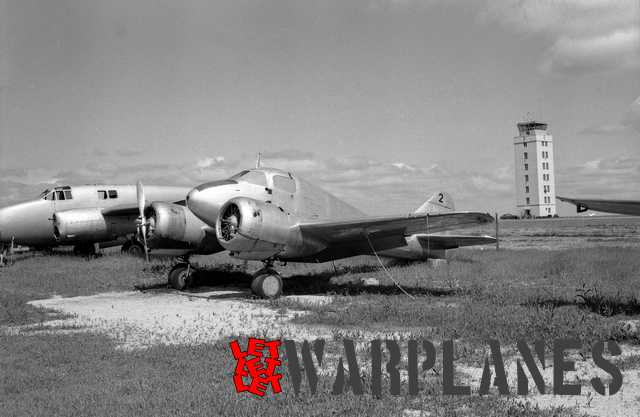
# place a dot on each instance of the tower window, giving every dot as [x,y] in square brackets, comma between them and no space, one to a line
[525,144]
[528,200]
[525,155]
[526,167]
[526,189]
[526,178]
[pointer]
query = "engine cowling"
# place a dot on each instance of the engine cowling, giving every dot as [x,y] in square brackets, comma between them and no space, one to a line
[81,225]
[253,229]
[172,226]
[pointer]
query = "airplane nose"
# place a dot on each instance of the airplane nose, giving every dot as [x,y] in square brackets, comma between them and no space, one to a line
[202,206]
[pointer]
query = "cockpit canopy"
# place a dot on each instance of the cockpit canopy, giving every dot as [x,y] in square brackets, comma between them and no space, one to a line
[58,193]
[280,179]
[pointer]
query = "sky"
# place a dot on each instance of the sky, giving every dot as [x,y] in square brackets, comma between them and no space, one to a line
[381,102]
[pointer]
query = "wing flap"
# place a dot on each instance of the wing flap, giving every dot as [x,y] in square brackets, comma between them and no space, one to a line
[453,241]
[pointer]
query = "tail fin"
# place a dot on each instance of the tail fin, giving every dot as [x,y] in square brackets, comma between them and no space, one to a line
[440,202]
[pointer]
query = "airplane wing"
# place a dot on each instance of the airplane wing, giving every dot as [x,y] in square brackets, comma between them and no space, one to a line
[346,238]
[611,206]
[435,241]
[121,210]
[128,209]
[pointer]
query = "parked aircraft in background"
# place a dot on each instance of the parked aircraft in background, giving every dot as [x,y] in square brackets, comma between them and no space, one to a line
[271,215]
[629,207]
[82,216]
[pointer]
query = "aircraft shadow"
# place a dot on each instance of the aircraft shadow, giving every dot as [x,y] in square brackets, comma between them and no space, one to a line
[606,306]
[312,284]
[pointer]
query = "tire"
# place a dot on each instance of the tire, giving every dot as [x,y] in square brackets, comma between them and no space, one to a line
[267,285]
[180,277]
[134,249]
[255,284]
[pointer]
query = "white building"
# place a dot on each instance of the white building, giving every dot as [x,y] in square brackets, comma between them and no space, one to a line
[535,180]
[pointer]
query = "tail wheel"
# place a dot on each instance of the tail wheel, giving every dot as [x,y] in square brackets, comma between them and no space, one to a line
[267,285]
[180,276]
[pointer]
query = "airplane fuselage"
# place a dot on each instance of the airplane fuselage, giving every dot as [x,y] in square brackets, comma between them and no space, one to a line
[31,223]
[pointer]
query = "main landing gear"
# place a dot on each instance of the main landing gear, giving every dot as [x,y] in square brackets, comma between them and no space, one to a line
[182,274]
[267,283]
[133,248]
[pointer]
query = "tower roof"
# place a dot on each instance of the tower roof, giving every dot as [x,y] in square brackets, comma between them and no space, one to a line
[531,125]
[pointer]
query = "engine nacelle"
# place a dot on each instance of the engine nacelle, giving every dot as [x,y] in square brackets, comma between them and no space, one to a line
[252,229]
[172,226]
[81,225]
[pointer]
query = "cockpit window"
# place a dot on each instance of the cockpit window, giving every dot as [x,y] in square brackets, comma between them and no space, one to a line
[113,194]
[255,177]
[59,195]
[67,195]
[284,183]
[102,195]
[238,175]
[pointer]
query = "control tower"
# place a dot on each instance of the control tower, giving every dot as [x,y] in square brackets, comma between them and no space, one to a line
[535,179]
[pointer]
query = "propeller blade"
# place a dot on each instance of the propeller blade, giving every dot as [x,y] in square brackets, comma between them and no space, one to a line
[143,220]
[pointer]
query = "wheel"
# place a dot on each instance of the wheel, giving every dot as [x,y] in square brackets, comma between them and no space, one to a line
[267,285]
[180,276]
[255,284]
[133,248]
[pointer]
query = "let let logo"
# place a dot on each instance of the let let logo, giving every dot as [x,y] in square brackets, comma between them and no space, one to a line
[255,371]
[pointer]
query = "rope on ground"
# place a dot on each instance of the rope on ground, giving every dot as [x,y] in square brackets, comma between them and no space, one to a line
[384,268]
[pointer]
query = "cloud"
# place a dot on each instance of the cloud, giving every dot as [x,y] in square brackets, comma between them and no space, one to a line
[581,36]
[629,121]
[378,187]
[585,36]
[616,50]
[605,129]
[615,177]
[632,117]
[208,162]
[128,153]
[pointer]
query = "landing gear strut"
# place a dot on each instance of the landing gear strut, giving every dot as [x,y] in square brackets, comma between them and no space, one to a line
[267,283]
[181,275]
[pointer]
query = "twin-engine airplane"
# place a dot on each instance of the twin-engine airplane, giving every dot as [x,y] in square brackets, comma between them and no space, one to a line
[629,207]
[82,216]
[271,215]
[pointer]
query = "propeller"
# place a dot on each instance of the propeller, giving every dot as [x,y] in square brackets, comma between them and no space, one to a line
[143,221]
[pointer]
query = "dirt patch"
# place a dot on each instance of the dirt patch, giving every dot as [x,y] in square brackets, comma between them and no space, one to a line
[141,319]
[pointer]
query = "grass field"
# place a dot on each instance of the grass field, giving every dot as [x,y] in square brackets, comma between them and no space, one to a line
[480,294]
